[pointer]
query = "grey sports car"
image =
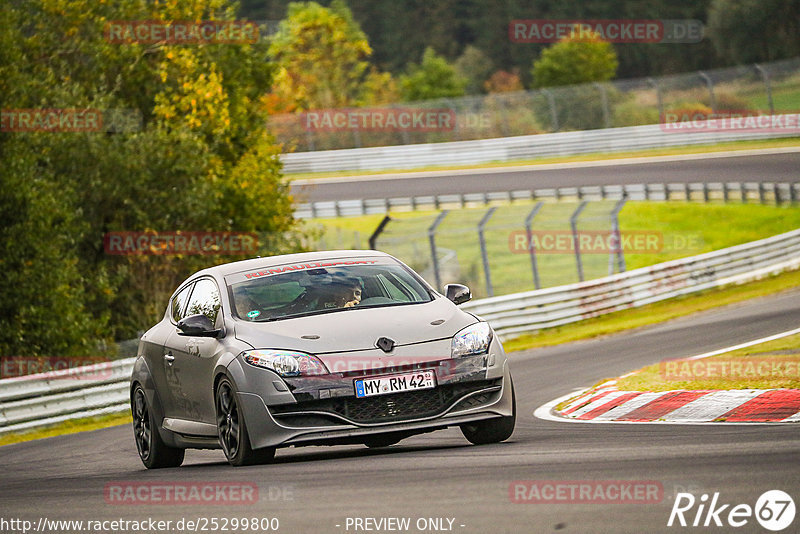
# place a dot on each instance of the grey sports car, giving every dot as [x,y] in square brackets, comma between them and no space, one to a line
[321,348]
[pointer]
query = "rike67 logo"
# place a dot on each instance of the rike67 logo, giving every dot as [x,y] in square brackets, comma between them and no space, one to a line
[774,510]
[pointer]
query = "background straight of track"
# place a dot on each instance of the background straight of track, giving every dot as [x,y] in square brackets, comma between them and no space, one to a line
[781,167]
[440,475]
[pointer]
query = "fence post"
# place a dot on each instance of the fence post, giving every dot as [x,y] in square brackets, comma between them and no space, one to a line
[604,101]
[765,78]
[531,247]
[432,239]
[573,222]
[484,252]
[659,98]
[615,230]
[710,84]
[553,111]
[378,231]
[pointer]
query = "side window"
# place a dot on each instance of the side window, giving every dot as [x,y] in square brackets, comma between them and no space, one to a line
[177,305]
[205,300]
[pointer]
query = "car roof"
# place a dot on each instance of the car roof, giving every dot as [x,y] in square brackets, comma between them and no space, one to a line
[272,261]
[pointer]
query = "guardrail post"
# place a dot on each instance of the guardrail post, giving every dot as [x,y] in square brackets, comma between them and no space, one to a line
[616,233]
[776,191]
[725,192]
[313,210]
[761,192]
[531,246]
[688,188]
[743,191]
[484,252]
[573,222]
[432,239]
[765,78]
[792,192]
[378,231]
[710,85]
[705,192]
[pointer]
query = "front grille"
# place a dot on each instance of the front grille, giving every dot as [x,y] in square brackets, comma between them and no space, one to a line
[392,407]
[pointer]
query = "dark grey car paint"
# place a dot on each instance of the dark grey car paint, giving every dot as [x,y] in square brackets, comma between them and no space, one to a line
[181,391]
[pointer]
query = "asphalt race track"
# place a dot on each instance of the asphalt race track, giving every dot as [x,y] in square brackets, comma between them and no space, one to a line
[779,167]
[440,475]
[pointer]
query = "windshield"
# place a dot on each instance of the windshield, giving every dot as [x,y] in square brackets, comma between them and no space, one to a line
[325,290]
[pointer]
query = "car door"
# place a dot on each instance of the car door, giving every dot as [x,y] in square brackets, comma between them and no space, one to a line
[193,358]
[157,354]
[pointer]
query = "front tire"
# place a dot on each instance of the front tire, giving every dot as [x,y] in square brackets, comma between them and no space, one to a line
[232,430]
[493,430]
[153,452]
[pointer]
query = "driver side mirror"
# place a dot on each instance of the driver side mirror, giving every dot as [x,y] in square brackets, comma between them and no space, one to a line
[197,325]
[458,293]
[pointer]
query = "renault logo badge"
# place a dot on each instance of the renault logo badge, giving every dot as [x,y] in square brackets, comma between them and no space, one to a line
[385,344]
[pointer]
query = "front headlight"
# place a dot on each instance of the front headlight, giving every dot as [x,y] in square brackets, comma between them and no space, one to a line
[474,339]
[285,362]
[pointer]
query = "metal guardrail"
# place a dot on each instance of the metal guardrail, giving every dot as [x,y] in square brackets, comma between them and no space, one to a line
[514,148]
[37,400]
[762,192]
[53,397]
[534,310]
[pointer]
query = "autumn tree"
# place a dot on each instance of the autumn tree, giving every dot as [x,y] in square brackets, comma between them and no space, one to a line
[433,78]
[580,58]
[321,55]
[199,159]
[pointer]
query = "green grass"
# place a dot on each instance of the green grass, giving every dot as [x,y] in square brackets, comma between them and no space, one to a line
[666,376]
[669,151]
[67,427]
[655,313]
[687,229]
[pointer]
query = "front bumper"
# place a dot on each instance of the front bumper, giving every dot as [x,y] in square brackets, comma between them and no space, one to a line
[320,410]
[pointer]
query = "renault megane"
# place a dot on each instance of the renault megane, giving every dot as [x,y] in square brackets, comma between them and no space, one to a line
[322,348]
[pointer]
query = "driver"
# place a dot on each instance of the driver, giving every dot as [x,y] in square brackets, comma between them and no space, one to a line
[345,293]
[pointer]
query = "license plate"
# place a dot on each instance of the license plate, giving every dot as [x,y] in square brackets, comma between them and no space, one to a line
[383,385]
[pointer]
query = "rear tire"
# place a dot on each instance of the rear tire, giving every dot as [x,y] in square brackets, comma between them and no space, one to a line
[232,430]
[493,430]
[153,452]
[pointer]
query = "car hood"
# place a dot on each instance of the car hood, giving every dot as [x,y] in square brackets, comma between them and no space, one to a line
[358,329]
